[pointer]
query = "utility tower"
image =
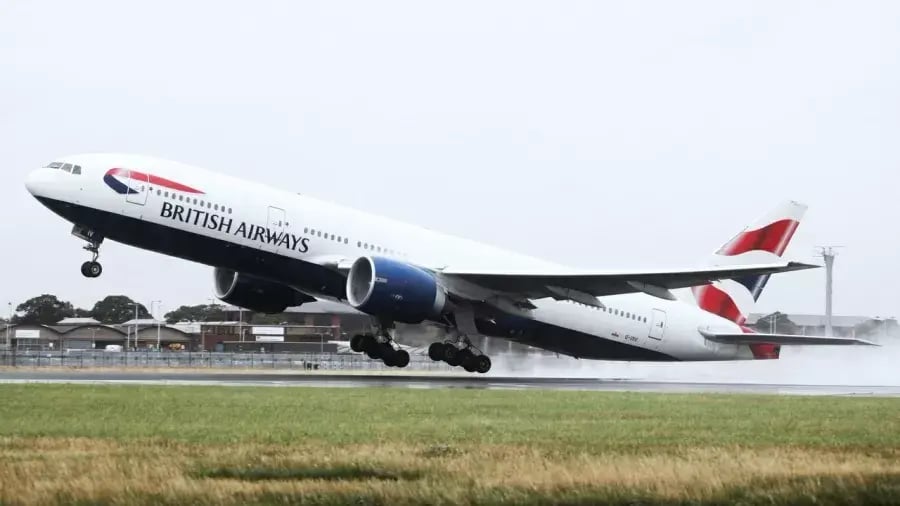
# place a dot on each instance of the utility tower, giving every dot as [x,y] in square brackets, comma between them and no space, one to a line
[828,253]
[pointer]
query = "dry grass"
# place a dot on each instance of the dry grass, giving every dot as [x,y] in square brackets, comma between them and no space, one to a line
[548,455]
[59,470]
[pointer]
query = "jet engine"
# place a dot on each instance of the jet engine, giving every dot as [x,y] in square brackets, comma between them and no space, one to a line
[394,290]
[254,293]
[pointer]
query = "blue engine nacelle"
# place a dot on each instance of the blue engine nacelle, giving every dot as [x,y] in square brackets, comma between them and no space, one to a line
[394,290]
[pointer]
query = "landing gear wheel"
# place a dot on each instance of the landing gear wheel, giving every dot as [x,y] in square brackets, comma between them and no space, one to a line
[482,364]
[451,355]
[469,364]
[91,269]
[436,352]
[401,358]
[373,352]
[357,343]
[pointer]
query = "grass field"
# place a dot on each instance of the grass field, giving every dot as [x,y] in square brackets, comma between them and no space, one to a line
[226,445]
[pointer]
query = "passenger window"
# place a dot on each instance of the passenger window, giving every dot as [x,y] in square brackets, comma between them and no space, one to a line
[158,192]
[166,194]
[359,244]
[216,207]
[346,241]
[76,169]
[305,230]
[312,232]
[229,210]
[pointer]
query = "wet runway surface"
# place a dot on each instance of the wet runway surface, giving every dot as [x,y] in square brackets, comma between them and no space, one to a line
[430,381]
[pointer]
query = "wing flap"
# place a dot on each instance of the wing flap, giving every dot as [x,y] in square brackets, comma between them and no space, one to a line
[782,339]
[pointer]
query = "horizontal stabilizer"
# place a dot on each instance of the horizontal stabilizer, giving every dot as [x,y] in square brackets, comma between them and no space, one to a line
[782,339]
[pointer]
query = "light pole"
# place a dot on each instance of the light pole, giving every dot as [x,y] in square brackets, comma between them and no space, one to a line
[8,322]
[134,338]
[240,322]
[159,304]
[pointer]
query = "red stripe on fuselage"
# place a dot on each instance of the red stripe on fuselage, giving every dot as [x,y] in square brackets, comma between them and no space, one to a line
[773,238]
[154,180]
[717,302]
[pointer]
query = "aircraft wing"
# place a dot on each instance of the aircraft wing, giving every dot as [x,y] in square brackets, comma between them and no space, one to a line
[783,339]
[585,286]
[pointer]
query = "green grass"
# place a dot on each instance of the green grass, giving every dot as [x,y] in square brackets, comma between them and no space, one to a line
[236,445]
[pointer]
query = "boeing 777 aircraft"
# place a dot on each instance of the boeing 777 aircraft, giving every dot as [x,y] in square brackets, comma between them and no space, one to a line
[271,249]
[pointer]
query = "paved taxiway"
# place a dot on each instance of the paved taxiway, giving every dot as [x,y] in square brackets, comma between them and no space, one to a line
[422,381]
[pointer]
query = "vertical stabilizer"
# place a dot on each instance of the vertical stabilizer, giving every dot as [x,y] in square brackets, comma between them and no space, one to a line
[763,241]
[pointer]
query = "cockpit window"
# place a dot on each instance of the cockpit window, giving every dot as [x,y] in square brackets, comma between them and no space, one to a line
[68,167]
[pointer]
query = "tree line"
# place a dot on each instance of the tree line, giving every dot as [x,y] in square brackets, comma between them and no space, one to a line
[48,309]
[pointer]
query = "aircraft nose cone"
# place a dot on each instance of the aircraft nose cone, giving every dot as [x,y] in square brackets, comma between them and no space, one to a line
[38,181]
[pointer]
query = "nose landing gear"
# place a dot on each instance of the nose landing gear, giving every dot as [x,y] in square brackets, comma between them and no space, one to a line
[92,268]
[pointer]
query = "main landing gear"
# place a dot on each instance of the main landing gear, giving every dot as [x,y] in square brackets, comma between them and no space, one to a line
[460,353]
[380,346]
[92,268]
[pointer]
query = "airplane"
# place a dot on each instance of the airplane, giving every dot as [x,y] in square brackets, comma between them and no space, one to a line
[271,249]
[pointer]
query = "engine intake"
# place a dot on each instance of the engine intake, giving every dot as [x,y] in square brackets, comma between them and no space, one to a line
[254,293]
[394,290]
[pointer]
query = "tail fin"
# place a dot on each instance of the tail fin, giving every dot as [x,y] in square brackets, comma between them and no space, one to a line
[763,241]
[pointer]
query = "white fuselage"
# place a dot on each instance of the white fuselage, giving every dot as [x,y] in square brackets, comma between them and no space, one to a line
[234,211]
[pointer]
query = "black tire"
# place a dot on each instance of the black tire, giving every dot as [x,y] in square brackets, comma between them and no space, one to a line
[469,364]
[389,359]
[373,352]
[94,269]
[451,355]
[357,343]
[401,358]
[436,352]
[85,269]
[482,364]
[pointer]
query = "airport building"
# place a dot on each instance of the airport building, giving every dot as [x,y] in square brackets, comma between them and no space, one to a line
[809,324]
[320,326]
[309,328]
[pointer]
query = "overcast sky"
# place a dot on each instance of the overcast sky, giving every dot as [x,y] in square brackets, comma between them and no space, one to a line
[597,134]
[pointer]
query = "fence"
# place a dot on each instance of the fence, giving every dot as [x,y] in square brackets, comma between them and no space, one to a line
[209,360]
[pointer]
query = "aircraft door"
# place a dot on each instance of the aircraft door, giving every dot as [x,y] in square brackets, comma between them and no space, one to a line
[138,187]
[658,325]
[277,223]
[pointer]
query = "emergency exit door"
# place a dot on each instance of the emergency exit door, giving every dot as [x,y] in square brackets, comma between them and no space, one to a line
[658,325]
[138,186]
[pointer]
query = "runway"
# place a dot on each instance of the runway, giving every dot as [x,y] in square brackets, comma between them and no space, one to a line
[427,381]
